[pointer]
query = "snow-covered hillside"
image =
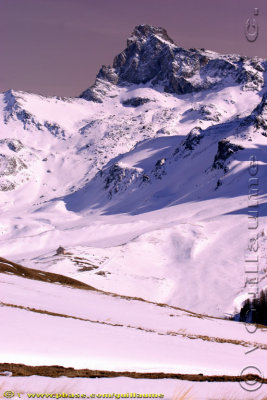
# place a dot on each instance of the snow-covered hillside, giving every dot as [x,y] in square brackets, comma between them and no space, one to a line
[50,321]
[145,181]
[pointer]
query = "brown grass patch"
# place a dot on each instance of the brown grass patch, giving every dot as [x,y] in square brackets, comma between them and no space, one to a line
[220,340]
[10,267]
[186,335]
[57,371]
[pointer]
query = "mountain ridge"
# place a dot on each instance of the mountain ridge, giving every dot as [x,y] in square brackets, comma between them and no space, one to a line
[147,184]
[152,57]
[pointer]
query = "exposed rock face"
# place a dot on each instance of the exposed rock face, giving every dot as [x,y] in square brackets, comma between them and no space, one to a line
[16,163]
[225,150]
[210,113]
[118,178]
[191,141]
[12,144]
[193,138]
[160,169]
[14,111]
[257,119]
[6,186]
[135,102]
[259,116]
[10,165]
[55,129]
[151,57]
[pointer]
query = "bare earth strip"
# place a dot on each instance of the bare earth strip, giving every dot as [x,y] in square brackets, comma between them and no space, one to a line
[186,335]
[57,371]
[12,268]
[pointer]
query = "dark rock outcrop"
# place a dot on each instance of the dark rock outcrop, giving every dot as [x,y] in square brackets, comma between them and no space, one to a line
[257,119]
[135,101]
[225,150]
[151,57]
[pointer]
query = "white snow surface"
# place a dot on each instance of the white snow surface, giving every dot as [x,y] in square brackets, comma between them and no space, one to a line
[50,324]
[174,237]
[141,209]
[170,388]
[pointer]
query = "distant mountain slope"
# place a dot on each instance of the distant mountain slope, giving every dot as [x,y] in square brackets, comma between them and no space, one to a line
[145,176]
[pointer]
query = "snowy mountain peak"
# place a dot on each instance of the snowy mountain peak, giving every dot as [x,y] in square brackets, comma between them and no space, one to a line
[151,58]
[175,166]
[143,32]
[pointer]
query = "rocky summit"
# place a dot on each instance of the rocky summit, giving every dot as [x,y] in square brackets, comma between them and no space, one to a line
[152,58]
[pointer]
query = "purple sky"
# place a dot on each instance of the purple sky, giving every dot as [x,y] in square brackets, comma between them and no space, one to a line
[56,47]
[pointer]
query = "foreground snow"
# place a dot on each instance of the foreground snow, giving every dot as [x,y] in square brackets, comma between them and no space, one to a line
[171,389]
[49,324]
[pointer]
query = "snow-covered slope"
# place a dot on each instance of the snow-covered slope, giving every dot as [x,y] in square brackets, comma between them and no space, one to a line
[112,332]
[144,180]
